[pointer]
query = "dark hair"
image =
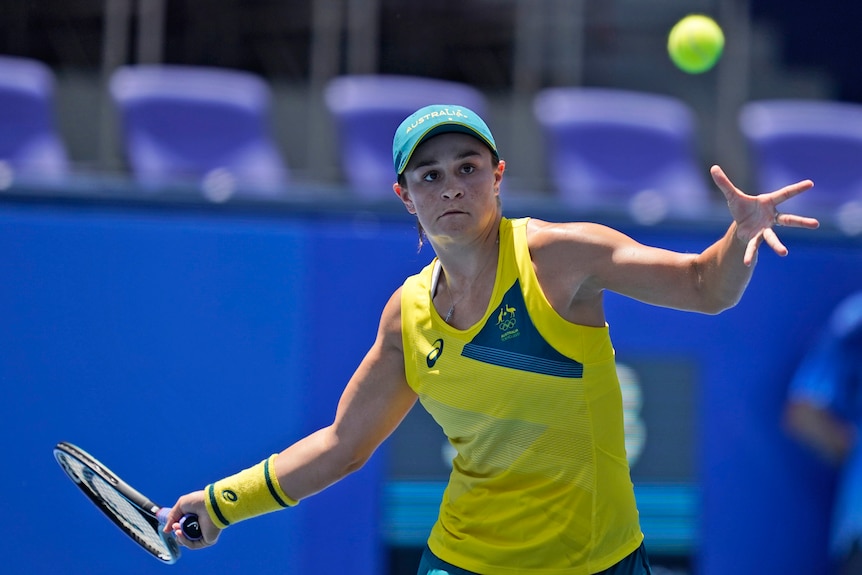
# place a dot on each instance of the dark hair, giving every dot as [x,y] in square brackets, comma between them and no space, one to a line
[402,181]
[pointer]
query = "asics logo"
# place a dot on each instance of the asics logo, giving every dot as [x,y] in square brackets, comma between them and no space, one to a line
[435,353]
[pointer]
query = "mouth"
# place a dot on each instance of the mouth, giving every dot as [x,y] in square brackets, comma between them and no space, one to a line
[451,213]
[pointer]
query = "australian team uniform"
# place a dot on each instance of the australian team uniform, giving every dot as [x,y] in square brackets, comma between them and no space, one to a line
[532,404]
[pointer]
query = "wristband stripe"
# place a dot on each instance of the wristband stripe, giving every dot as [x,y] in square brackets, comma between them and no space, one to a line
[269,484]
[215,507]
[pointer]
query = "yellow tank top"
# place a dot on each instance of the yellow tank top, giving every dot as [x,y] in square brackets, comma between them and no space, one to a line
[532,405]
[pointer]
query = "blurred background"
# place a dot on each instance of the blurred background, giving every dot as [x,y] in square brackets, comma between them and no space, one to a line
[190,217]
[506,48]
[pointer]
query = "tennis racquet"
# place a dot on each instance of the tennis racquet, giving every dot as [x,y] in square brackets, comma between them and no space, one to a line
[134,514]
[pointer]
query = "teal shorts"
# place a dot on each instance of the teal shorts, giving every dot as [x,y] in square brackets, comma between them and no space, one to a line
[635,564]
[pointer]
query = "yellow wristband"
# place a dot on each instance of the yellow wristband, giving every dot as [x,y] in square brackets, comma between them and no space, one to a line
[249,493]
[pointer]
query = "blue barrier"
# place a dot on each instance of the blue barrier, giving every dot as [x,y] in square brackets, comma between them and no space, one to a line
[182,345]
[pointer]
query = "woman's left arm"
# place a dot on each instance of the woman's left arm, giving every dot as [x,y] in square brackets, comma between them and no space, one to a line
[708,282]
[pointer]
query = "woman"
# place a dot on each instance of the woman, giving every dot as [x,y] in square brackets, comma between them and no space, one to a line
[504,341]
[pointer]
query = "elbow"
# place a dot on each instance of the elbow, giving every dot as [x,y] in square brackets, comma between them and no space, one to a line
[714,300]
[348,457]
[716,294]
[719,305]
[711,307]
[714,304]
[793,419]
[338,466]
[354,463]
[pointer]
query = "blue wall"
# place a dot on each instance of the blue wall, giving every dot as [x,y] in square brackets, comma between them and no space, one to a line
[180,346]
[765,500]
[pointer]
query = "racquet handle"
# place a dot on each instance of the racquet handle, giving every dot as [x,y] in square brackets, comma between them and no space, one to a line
[189,524]
[191,527]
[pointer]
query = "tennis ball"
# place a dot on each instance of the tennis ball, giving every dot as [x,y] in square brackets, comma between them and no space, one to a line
[695,43]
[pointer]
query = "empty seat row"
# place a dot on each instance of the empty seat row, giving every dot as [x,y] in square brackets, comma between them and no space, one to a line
[180,124]
[29,139]
[605,148]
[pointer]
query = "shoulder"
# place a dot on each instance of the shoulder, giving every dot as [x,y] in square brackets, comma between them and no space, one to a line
[392,309]
[571,239]
[582,257]
[420,283]
[389,330]
[540,232]
[846,320]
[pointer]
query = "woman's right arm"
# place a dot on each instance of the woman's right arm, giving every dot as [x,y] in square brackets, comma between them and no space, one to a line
[374,402]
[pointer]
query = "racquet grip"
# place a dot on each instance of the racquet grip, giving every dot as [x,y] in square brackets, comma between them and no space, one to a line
[189,524]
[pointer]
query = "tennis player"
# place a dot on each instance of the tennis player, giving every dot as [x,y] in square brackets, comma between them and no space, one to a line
[503,339]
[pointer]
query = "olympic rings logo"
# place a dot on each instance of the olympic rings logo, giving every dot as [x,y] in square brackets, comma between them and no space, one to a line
[506,318]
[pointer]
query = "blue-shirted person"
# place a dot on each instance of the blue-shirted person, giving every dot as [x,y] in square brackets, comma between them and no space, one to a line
[824,411]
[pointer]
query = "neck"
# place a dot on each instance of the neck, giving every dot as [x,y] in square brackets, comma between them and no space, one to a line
[471,284]
[462,260]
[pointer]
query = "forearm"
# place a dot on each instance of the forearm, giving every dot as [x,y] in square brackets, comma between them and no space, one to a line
[830,437]
[314,463]
[375,400]
[722,275]
[281,480]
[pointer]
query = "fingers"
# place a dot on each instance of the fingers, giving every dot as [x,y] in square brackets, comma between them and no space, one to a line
[191,503]
[772,241]
[204,541]
[789,191]
[771,238]
[722,181]
[210,536]
[778,196]
[756,216]
[172,518]
[794,221]
[751,250]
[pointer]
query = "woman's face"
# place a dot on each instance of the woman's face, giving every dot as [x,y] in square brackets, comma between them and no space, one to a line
[452,185]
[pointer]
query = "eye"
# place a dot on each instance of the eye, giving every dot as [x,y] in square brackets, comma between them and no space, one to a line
[430,176]
[468,169]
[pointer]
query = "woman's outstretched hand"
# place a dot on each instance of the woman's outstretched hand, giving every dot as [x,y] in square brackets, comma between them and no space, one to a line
[756,216]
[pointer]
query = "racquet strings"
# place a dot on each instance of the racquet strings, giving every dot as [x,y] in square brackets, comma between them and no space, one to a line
[142,527]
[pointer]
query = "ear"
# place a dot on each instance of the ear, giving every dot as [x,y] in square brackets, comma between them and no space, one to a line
[498,175]
[404,195]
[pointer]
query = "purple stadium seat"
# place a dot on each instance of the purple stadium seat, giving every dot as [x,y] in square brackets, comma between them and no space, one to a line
[616,150]
[195,125]
[31,148]
[368,108]
[792,140]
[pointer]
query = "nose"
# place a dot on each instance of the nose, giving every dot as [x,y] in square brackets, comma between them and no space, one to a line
[453,190]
